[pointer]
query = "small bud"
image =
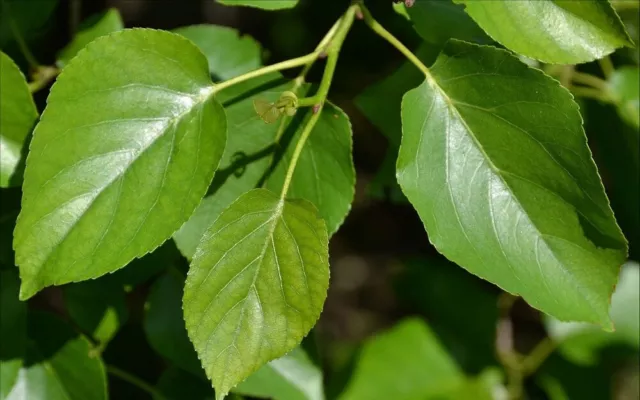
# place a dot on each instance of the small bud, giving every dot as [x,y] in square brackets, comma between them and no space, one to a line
[322,55]
[359,14]
[409,3]
[316,108]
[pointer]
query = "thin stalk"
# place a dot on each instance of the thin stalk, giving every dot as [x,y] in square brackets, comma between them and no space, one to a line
[28,55]
[590,93]
[321,46]
[607,66]
[135,381]
[42,76]
[538,356]
[288,64]
[385,34]
[589,80]
[333,51]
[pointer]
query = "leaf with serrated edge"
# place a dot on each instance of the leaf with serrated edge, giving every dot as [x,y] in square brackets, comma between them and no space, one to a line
[495,161]
[256,285]
[19,114]
[264,4]
[123,154]
[552,31]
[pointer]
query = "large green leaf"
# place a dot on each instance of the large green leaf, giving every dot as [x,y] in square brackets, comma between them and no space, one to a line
[123,154]
[256,285]
[96,26]
[19,115]
[264,4]
[581,342]
[13,331]
[292,377]
[437,21]
[228,53]
[624,88]
[552,31]
[164,325]
[404,363]
[98,308]
[495,161]
[324,174]
[59,364]
[325,161]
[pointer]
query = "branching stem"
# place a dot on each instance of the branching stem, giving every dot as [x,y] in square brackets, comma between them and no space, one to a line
[137,382]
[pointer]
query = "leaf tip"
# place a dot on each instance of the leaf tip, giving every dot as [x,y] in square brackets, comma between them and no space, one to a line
[220,395]
[28,289]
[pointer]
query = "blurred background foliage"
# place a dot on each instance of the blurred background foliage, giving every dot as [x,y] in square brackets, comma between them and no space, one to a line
[398,314]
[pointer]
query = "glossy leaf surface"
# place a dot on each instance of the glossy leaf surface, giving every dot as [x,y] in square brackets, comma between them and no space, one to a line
[117,164]
[495,161]
[90,30]
[19,116]
[229,54]
[552,31]
[256,285]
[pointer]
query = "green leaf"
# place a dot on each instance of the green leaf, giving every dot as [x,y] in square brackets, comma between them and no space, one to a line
[229,54]
[624,88]
[250,151]
[292,377]
[123,154]
[30,21]
[13,331]
[93,28]
[405,363]
[177,384]
[495,161]
[437,21]
[19,115]
[552,31]
[98,308]
[246,158]
[264,4]
[581,343]
[164,325]
[59,364]
[256,285]
[324,174]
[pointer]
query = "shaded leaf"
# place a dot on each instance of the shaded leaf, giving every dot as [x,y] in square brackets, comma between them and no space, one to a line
[495,161]
[624,88]
[229,54]
[117,164]
[59,364]
[13,331]
[291,377]
[552,31]
[98,308]
[164,325]
[437,21]
[30,21]
[96,26]
[256,285]
[19,115]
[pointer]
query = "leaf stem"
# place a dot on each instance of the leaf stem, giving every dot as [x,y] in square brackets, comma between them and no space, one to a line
[385,34]
[333,52]
[42,76]
[607,66]
[590,93]
[321,46]
[589,80]
[135,381]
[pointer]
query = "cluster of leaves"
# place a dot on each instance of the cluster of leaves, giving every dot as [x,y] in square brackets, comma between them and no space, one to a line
[152,135]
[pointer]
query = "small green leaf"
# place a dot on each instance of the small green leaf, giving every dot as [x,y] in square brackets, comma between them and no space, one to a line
[437,21]
[291,377]
[256,285]
[581,342]
[405,363]
[19,115]
[229,54]
[98,308]
[624,88]
[60,364]
[13,331]
[264,4]
[90,30]
[178,384]
[123,154]
[164,325]
[495,161]
[552,31]
[324,174]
